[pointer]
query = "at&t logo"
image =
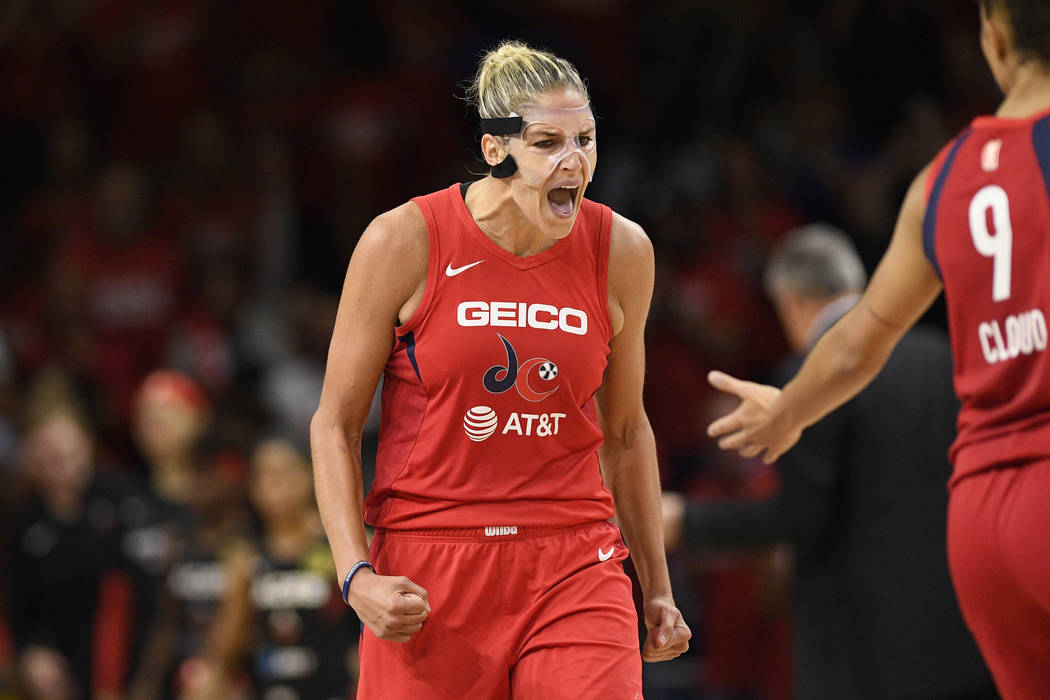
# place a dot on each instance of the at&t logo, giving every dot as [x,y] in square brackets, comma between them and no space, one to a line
[481,422]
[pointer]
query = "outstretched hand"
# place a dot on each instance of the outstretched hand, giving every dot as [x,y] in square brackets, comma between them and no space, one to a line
[752,428]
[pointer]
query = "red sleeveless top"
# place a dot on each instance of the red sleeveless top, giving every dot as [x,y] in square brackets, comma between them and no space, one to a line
[488,415]
[987,233]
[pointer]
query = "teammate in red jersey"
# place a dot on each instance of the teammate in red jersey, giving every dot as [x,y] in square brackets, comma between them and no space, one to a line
[975,222]
[507,319]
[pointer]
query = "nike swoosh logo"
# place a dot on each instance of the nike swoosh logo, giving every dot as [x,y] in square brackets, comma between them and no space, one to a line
[604,556]
[453,271]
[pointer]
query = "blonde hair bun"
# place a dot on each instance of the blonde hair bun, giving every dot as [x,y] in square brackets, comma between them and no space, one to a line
[513,73]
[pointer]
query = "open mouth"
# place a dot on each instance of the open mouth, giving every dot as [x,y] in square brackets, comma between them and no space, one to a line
[563,200]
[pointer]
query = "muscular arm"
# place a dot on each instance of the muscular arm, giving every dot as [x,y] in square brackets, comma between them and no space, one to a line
[628,455]
[385,280]
[848,356]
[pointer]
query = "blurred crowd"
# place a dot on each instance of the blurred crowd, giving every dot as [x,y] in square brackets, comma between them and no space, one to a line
[183,182]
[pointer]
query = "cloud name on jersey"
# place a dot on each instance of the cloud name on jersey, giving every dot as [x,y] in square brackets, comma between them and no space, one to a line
[1025,333]
[519,314]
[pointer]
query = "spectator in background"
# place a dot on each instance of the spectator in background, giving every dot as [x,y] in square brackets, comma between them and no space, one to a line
[67,603]
[129,274]
[863,501]
[174,660]
[290,386]
[170,413]
[284,612]
[202,341]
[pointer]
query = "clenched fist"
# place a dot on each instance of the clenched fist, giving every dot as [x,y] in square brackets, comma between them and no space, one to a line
[393,607]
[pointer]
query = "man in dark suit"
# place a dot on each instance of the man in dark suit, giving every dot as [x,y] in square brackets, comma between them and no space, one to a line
[862,501]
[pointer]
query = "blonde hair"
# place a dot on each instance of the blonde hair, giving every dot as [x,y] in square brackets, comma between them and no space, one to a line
[513,73]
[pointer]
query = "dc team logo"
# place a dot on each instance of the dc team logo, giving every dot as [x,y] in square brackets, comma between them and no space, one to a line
[531,379]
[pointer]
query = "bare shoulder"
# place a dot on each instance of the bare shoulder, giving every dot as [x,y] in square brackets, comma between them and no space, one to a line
[628,242]
[388,269]
[905,282]
[631,260]
[394,249]
[399,234]
[631,270]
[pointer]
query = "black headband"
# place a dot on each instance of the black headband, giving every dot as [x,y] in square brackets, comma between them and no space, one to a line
[500,126]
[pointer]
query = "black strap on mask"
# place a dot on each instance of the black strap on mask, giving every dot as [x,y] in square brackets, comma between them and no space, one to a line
[502,126]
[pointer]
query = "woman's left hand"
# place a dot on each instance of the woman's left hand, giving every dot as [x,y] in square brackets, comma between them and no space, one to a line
[668,634]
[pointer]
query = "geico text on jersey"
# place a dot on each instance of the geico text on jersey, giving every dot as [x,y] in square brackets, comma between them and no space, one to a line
[518,314]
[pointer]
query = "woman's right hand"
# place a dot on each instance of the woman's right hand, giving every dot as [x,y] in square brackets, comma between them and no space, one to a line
[753,428]
[393,607]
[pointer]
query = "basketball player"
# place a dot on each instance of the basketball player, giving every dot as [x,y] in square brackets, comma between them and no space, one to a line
[506,316]
[974,223]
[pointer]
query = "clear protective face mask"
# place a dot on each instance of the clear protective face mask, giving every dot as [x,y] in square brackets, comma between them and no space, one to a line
[548,137]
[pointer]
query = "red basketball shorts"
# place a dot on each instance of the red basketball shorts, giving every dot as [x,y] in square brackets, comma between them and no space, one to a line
[999,553]
[516,613]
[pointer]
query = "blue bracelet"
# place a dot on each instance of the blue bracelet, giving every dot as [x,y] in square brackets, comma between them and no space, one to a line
[350,577]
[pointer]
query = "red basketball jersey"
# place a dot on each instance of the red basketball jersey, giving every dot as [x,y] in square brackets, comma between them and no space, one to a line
[987,232]
[488,400]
